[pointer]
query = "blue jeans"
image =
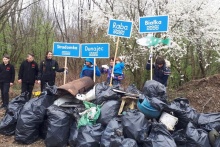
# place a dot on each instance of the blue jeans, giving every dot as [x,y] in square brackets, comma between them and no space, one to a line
[114,81]
[5,93]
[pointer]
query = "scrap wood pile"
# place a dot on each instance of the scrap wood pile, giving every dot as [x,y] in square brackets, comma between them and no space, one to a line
[81,115]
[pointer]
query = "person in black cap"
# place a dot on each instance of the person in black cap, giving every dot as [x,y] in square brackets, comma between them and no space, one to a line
[161,70]
[7,77]
[28,74]
[48,69]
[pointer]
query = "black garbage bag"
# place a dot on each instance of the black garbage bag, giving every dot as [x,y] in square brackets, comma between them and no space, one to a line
[181,109]
[159,136]
[133,89]
[90,135]
[113,131]
[209,121]
[43,128]
[9,121]
[31,117]
[179,137]
[73,135]
[158,104]
[196,137]
[104,92]
[217,142]
[123,142]
[50,90]
[108,111]
[153,88]
[59,122]
[133,123]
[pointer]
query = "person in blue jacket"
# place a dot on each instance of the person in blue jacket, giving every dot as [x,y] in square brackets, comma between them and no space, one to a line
[161,70]
[117,75]
[88,69]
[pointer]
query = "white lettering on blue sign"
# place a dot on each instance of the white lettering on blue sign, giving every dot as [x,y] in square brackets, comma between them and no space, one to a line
[93,54]
[65,53]
[66,47]
[152,25]
[95,49]
[154,22]
[119,29]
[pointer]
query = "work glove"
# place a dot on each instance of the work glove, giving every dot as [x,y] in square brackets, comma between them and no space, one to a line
[168,65]
[105,66]
[150,56]
[112,75]
[66,71]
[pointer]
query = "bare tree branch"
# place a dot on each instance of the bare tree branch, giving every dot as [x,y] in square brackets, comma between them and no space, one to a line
[55,13]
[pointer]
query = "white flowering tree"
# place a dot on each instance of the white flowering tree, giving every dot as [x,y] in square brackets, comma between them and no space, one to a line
[193,30]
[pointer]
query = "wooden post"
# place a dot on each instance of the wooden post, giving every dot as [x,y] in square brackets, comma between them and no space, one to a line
[64,80]
[94,69]
[151,63]
[116,50]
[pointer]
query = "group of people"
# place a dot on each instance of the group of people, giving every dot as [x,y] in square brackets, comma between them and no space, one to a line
[161,70]
[117,75]
[29,73]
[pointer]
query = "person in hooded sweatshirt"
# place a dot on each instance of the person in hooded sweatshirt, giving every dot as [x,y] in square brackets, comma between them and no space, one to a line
[47,71]
[117,75]
[88,69]
[7,77]
[28,74]
[161,70]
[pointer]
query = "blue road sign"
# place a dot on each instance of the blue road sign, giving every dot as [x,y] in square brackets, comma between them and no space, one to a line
[153,24]
[120,28]
[66,49]
[95,50]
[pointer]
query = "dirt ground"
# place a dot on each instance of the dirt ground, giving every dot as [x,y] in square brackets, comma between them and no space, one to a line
[203,94]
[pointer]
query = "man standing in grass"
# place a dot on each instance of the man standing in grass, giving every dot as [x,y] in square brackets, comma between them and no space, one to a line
[28,74]
[7,76]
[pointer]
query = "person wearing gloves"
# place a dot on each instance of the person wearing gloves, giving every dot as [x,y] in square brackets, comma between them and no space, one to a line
[88,69]
[7,77]
[48,69]
[161,70]
[117,75]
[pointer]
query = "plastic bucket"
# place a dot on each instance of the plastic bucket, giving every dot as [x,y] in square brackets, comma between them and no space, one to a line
[149,111]
[168,120]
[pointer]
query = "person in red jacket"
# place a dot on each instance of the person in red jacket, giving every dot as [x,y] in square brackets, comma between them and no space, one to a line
[28,74]
[7,77]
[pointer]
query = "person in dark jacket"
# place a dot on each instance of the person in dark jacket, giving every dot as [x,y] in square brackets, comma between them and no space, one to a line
[28,74]
[47,70]
[88,69]
[7,77]
[161,70]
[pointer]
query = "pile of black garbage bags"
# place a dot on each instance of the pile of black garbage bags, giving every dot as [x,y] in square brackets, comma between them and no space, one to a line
[40,118]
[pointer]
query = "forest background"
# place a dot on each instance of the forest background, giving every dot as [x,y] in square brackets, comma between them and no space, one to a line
[194,29]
